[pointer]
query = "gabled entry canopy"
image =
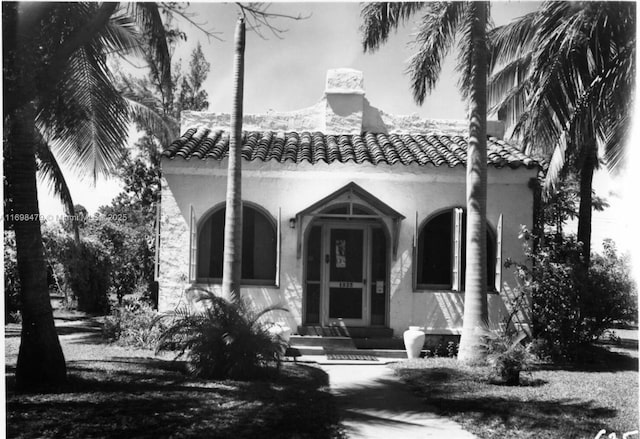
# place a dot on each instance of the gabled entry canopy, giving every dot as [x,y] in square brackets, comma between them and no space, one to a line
[355,203]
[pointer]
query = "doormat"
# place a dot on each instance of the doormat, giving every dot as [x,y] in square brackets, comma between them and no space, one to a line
[352,357]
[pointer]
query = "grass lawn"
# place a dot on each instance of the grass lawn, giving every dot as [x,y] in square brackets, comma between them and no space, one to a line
[118,392]
[554,403]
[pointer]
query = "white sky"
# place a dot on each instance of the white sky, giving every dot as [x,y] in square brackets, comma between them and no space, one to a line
[289,73]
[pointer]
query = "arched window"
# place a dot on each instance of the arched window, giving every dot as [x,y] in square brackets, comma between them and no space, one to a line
[258,247]
[441,252]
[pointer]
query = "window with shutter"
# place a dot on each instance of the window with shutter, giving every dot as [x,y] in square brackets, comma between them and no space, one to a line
[193,244]
[260,246]
[440,253]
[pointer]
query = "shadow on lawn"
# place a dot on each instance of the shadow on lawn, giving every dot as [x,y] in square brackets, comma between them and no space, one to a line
[456,393]
[597,358]
[134,397]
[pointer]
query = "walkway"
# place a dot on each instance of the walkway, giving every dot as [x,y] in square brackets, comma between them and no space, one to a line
[375,404]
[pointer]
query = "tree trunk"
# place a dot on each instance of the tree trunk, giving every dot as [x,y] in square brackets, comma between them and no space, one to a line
[585,211]
[232,260]
[475,302]
[40,358]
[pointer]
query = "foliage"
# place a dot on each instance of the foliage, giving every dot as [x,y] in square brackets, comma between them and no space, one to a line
[129,247]
[225,340]
[448,349]
[132,324]
[508,355]
[564,75]
[615,295]
[561,206]
[192,96]
[571,307]
[564,80]
[85,266]
[12,297]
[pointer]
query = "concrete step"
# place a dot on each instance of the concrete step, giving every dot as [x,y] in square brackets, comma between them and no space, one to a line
[346,331]
[315,340]
[297,351]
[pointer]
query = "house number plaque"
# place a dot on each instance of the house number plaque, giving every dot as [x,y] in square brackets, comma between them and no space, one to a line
[346,285]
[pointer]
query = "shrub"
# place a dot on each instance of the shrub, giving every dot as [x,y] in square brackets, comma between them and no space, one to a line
[85,268]
[508,356]
[614,296]
[11,280]
[129,251]
[87,273]
[571,307]
[225,340]
[132,324]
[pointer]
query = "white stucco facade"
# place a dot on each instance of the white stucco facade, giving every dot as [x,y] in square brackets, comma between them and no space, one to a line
[284,189]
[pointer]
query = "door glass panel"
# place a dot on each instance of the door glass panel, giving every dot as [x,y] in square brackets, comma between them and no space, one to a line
[346,273]
[314,252]
[378,277]
[346,255]
[313,303]
[314,255]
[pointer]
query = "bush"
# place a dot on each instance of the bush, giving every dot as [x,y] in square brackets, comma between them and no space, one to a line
[85,268]
[614,295]
[11,280]
[223,341]
[571,306]
[508,355]
[131,257]
[132,324]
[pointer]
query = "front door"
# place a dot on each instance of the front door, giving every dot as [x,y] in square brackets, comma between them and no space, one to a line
[346,283]
[346,275]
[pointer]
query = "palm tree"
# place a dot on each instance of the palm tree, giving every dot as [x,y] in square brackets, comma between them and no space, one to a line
[564,79]
[232,259]
[58,92]
[439,27]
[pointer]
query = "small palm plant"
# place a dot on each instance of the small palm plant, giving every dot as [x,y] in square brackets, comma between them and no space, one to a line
[223,340]
[508,356]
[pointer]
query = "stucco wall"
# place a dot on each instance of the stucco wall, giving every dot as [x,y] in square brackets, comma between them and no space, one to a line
[292,188]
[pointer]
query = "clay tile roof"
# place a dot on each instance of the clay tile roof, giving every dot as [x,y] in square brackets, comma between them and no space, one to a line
[435,149]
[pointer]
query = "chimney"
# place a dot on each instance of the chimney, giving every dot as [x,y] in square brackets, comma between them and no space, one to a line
[344,93]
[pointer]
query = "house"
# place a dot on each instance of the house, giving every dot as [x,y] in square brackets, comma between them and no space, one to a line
[352,217]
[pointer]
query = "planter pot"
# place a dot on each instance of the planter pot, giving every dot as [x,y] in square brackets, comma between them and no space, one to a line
[413,341]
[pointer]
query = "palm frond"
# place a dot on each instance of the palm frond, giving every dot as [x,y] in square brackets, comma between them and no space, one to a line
[511,41]
[143,113]
[379,19]
[147,15]
[88,120]
[469,48]
[435,37]
[50,172]
[121,35]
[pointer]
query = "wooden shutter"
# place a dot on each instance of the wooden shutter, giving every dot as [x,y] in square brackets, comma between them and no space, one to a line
[456,275]
[278,246]
[498,279]
[193,244]
[415,255]
[156,268]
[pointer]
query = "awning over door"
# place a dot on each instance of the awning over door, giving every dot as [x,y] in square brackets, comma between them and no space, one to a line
[356,203]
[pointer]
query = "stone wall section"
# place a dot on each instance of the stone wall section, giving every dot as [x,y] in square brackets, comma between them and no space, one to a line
[174,252]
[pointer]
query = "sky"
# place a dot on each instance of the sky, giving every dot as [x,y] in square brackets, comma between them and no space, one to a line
[288,73]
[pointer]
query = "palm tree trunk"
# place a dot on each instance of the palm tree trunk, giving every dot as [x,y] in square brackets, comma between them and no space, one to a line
[475,303]
[585,211]
[232,259]
[40,358]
